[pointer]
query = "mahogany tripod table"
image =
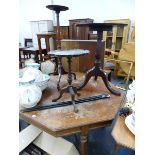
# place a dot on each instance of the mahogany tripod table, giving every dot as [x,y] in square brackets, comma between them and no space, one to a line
[69,88]
[59,70]
[97,69]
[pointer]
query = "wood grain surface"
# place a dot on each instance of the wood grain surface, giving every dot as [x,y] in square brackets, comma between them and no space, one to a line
[63,120]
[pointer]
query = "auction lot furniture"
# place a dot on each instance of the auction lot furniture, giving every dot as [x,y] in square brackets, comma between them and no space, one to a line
[97,70]
[70,89]
[80,33]
[64,121]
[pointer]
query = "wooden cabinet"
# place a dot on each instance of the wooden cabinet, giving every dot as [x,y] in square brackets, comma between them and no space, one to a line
[77,32]
[82,63]
[64,31]
[118,36]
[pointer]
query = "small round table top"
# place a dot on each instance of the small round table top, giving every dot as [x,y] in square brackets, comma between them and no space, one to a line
[101,26]
[57,7]
[69,53]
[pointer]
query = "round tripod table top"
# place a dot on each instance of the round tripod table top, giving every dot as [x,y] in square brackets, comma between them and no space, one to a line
[100,26]
[69,53]
[57,7]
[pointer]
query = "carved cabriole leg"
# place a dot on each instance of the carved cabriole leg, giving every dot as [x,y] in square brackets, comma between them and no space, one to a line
[97,71]
[88,75]
[60,95]
[106,82]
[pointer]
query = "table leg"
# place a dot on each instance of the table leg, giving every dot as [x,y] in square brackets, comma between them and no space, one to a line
[83,141]
[128,76]
[116,147]
[20,59]
[36,57]
[97,71]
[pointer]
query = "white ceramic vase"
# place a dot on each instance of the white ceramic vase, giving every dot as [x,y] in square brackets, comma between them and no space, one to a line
[47,67]
[29,93]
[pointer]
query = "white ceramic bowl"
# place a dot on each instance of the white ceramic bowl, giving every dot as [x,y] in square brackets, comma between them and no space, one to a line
[44,82]
[33,65]
[36,73]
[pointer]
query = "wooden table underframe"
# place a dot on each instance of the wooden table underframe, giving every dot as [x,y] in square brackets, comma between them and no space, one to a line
[63,121]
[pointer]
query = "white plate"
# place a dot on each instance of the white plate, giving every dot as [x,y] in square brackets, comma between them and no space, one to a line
[128,122]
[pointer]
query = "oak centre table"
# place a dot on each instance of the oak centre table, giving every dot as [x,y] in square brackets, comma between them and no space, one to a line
[64,121]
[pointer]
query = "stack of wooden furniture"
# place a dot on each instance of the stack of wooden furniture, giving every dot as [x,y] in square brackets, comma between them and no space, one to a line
[84,63]
[64,32]
[81,33]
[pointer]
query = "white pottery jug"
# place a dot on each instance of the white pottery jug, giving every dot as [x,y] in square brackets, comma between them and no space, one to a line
[29,93]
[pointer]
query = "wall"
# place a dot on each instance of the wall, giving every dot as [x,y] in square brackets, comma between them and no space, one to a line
[99,10]
[31,10]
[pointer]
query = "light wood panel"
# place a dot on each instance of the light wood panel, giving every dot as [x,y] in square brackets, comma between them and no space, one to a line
[118,35]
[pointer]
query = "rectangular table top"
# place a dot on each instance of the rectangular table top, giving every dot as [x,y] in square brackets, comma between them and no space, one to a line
[60,121]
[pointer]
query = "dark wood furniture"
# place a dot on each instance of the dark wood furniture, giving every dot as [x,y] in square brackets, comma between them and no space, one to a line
[80,64]
[46,36]
[99,56]
[122,135]
[92,36]
[70,88]
[29,51]
[81,33]
[64,32]
[57,9]
[27,43]
[59,68]
[64,121]
[20,56]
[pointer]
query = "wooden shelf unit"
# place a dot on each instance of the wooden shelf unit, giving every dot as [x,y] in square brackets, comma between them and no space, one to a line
[118,36]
